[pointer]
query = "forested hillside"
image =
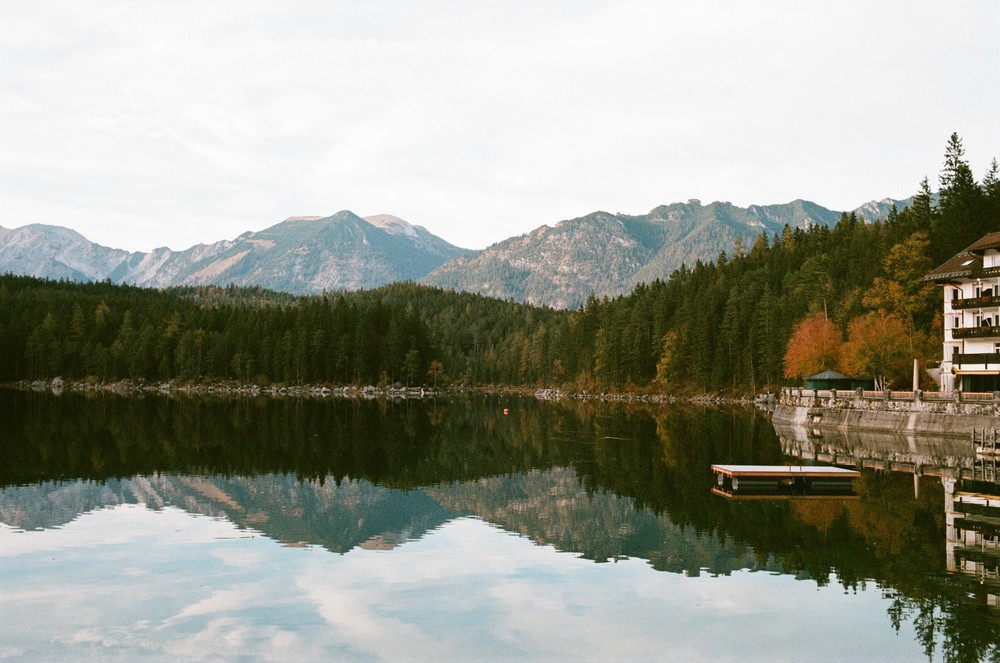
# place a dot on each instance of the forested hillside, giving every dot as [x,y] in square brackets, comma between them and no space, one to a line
[845,297]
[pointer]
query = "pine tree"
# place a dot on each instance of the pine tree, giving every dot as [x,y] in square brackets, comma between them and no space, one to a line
[991,191]
[963,217]
[923,209]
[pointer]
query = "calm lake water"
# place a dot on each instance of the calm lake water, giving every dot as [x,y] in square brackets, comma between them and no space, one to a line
[169,528]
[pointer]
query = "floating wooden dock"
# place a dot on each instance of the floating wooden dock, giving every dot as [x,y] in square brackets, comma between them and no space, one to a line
[783,480]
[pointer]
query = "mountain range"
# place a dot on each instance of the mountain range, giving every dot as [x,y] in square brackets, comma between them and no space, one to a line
[300,255]
[560,266]
[609,254]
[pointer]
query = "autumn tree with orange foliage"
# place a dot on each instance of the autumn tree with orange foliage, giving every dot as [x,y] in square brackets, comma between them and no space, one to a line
[877,344]
[813,347]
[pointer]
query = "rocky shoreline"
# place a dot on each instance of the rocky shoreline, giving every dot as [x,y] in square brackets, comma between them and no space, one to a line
[228,388]
[223,388]
[654,399]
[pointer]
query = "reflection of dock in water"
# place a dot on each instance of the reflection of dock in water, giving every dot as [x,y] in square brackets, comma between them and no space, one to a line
[985,443]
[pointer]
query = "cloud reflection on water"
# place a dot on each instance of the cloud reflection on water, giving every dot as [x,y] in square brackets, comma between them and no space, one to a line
[129,583]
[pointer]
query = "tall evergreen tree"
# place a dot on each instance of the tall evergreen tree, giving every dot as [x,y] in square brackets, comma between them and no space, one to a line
[962,217]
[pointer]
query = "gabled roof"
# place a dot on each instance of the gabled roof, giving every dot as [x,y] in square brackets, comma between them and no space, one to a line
[966,262]
[990,241]
[960,266]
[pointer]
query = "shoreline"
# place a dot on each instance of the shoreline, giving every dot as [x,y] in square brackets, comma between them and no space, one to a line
[232,388]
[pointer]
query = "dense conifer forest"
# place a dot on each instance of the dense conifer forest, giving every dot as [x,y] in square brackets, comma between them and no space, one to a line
[847,297]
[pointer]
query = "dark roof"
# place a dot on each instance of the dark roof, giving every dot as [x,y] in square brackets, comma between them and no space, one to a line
[990,241]
[829,375]
[960,266]
[966,262]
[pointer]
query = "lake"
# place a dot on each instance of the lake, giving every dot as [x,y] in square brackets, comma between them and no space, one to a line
[473,529]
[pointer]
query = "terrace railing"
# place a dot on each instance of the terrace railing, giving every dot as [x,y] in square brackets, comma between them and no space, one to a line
[983,358]
[985,331]
[986,301]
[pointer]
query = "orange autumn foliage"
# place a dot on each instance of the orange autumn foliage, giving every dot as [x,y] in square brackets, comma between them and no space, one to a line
[814,346]
[878,344]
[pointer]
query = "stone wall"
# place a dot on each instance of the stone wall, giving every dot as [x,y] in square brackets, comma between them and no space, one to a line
[952,414]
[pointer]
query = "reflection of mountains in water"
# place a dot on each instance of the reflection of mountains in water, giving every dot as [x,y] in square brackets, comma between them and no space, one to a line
[550,507]
[337,516]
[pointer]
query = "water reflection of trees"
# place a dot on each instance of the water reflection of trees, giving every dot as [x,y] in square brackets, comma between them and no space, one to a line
[597,479]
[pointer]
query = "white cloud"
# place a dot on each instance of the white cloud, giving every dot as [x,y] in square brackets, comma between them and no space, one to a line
[464,591]
[142,124]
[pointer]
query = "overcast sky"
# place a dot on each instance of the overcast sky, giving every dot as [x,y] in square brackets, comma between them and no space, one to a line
[144,124]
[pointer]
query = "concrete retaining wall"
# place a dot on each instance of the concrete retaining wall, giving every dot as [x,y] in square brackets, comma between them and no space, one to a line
[951,425]
[953,415]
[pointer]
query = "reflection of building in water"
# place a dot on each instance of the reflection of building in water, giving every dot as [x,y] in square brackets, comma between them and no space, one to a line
[971,492]
[972,514]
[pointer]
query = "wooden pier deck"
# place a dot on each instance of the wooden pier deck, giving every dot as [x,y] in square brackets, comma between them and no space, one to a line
[783,480]
[786,471]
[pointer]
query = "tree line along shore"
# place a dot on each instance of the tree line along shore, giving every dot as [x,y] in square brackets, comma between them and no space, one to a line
[733,327]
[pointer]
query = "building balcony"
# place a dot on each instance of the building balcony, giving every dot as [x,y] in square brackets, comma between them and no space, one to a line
[986,301]
[986,331]
[984,272]
[986,360]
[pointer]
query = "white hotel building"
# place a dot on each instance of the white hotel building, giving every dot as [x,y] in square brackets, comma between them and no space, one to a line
[971,283]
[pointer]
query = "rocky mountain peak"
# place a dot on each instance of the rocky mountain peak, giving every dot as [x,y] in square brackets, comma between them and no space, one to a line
[392,224]
[300,255]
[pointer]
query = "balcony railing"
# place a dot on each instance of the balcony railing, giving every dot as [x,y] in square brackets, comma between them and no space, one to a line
[986,301]
[985,272]
[984,331]
[977,358]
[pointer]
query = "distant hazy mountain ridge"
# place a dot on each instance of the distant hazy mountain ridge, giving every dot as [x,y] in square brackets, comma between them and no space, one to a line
[56,253]
[300,255]
[609,254]
[559,266]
